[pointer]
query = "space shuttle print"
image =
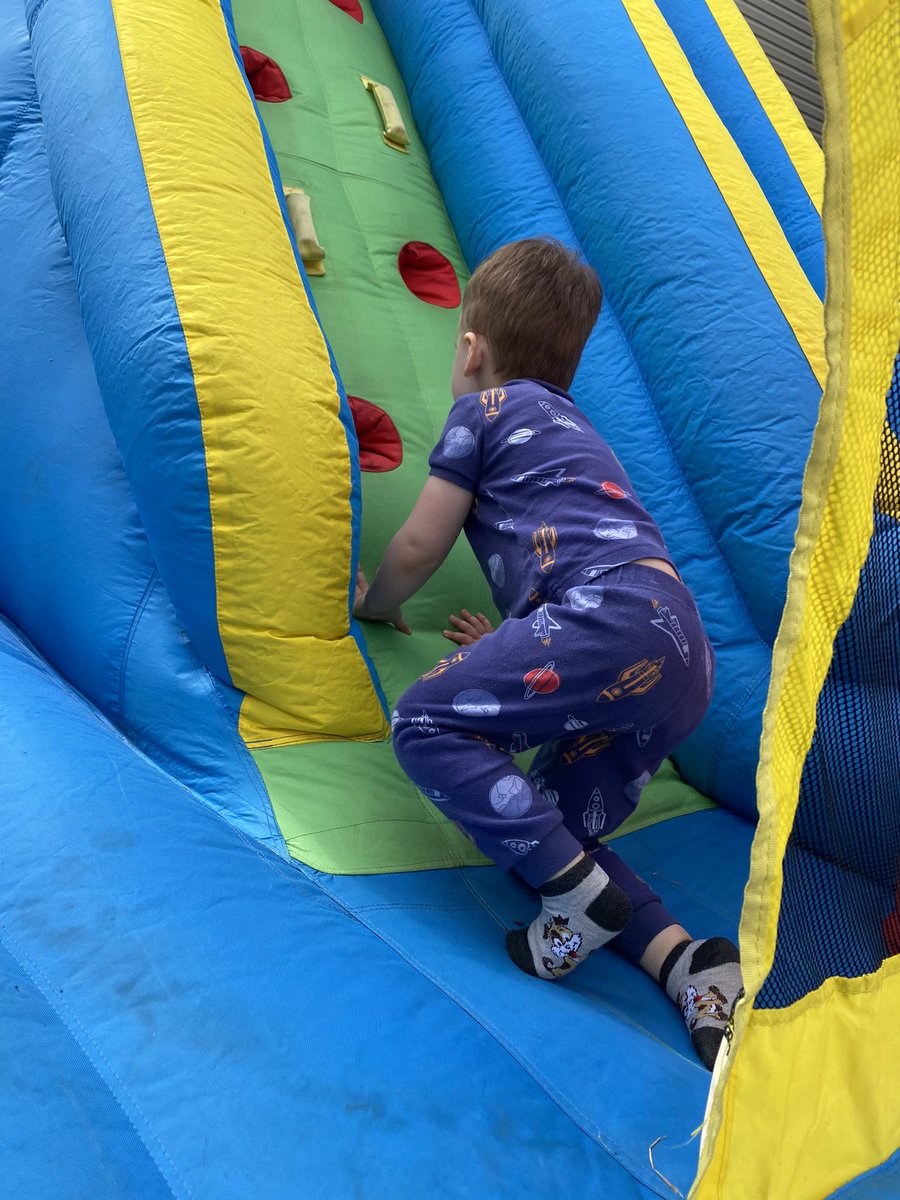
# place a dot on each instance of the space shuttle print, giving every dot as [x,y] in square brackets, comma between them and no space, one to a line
[544,625]
[666,620]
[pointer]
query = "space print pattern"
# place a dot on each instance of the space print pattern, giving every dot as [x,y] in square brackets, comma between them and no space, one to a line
[607,685]
[553,508]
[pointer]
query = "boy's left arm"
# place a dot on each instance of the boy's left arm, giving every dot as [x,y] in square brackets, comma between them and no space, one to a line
[416,551]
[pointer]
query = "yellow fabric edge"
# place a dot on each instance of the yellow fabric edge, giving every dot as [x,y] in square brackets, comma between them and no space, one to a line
[832,1070]
[282,547]
[739,189]
[777,102]
[848,430]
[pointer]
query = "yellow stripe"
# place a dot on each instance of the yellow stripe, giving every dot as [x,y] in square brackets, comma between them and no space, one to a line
[777,102]
[862,227]
[277,458]
[742,194]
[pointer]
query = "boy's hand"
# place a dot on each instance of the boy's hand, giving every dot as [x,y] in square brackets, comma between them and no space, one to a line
[362,613]
[468,628]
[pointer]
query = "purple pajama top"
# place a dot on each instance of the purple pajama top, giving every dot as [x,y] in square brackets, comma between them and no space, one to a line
[553,507]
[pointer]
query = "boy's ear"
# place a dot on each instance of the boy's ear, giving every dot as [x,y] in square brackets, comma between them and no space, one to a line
[475,348]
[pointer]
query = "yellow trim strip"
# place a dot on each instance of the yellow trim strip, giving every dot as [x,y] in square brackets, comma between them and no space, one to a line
[745,199]
[276,453]
[777,102]
[862,226]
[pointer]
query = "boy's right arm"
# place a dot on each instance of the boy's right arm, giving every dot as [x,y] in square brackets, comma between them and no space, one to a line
[417,549]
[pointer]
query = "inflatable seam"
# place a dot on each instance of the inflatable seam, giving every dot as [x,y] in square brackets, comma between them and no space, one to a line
[31,18]
[569,1108]
[84,1041]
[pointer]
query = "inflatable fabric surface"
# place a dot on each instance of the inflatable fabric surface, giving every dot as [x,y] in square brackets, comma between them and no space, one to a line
[705,369]
[214,392]
[347,807]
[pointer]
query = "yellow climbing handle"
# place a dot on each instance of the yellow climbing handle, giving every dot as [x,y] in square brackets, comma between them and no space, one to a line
[394,131]
[300,212]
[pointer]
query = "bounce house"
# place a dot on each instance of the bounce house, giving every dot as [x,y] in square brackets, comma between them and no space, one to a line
[242,956]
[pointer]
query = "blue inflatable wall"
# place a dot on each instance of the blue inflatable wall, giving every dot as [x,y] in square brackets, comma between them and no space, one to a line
[189,1012]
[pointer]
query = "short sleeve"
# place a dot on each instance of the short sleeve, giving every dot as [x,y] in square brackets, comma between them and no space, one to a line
[458,455]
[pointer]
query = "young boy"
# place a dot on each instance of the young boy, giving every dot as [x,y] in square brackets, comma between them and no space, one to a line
[601,658]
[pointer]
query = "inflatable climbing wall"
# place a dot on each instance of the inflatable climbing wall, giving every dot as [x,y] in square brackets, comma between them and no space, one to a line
[241,955]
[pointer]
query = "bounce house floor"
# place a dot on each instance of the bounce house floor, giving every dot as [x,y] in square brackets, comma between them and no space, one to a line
[651,1091]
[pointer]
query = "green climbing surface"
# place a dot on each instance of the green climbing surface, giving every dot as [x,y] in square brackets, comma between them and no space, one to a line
[345,807]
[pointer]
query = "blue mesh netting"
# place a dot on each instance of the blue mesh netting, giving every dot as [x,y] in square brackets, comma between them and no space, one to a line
[840,908]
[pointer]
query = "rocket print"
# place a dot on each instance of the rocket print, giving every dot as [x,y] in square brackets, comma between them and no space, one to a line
[543,540]
[635,680]
[544,625]
[424,724]
[550,794]
[445,664]
[666,620]
[491,402]
[588,745]
[559,418]
[594,816]
[518,845]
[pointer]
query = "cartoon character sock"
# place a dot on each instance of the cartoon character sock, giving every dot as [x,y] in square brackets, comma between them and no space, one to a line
[582,910]
[704,980]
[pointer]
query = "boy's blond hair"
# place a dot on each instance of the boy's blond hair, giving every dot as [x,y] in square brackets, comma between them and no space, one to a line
[535,302]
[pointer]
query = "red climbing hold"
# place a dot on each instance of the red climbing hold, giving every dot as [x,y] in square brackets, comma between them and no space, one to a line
[351,8]
[429,275]
[266,77]
[380,448]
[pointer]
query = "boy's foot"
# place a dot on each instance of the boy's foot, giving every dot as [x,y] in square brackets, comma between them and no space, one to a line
[704,979]
[582,910]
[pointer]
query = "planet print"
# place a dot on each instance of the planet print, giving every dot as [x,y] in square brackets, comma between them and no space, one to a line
[613,490]
[497,570]
[615,531]
[541,680]
[583,598]
[458,442]
[519,436]
[511,796]
[474,702]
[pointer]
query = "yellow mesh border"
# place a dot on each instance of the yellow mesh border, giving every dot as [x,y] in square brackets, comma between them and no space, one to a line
[751,1110]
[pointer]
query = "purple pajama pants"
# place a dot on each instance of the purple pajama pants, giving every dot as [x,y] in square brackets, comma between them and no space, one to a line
[607,684]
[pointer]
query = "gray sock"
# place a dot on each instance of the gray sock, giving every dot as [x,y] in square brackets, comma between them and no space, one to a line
[704,980]
[582,910]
